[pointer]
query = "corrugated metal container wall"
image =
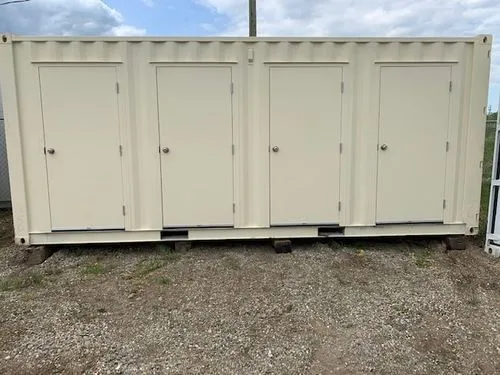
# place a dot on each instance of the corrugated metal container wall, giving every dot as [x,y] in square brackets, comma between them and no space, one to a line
[136,139]
[4,170]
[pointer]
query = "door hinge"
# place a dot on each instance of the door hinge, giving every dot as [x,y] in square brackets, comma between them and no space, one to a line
[342,87]
[451,86]
[121,150]
[340,147]
[233,149]
[447,146]
[234,207]
[444,203]
[340,205]
[231,88]
[117,88]
[123,210]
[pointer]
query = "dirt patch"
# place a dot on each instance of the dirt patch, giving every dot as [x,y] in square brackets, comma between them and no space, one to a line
[327,308]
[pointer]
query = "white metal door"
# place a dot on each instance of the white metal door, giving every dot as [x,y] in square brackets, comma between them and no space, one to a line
[82,140]
[195,115]
[413,131]
[305,122]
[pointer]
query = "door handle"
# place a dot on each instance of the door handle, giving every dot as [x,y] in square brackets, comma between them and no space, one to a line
[276,149]
[166,150]
[51,151]
[384,147]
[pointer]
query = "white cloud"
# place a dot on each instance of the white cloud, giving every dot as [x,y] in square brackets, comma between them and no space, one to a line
[362,17]
[126,30]
[64,17]
[148,3]
[367,18]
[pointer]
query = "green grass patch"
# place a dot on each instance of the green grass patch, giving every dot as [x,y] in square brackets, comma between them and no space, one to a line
[54,271]
[171,256]
[473,301]
[401,309]
[164,248]
[17,282]
[167,252]
[95,269]
[164,281]
[146,267]
[232,263]
[422,259]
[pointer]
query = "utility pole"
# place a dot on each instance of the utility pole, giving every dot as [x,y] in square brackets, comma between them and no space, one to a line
[252,17]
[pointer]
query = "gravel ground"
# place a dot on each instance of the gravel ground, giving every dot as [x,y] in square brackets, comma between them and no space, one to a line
[393,307]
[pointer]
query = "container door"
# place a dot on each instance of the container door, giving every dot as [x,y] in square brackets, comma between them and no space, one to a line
[195,116]
[305,120]
[413,131]
[82,139]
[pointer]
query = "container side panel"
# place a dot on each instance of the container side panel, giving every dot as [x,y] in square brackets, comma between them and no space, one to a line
[195,115]
[80,115]
[4,170]
[31,126]
[414,111]
[256,135]
[362,154]
[245,176]
[11,98]
[476,132]
[454,169]
[141,148]
[305,120]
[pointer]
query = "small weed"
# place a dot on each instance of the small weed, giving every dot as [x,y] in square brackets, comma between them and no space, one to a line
[342,281]
[401,309]
[163,247]
[167,252]
[54,271]
[164,281]
[422,259]
[334,245]
[171,256]
[17,282]
[35,279]
[232,263]
[474,301]
[466,281]
[95,269]
[146,267]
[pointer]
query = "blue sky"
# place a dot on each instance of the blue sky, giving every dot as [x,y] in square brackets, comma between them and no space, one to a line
[171,17]
[276,18]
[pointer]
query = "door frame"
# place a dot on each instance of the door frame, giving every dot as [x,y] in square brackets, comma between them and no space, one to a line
[455,135]
[122,111]
[235,131]
[345,130]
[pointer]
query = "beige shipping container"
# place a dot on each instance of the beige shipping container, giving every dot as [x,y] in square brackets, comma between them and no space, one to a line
[148,139]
